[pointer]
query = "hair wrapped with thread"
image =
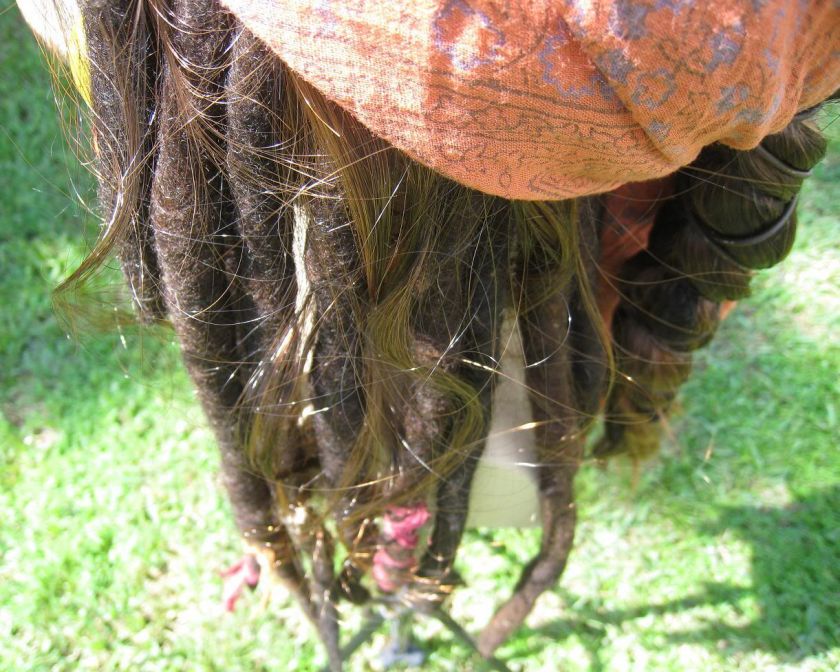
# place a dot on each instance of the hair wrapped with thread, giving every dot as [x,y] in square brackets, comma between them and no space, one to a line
[339,306]
[734,212]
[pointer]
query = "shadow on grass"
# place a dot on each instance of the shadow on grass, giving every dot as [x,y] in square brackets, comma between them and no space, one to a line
[795,582]
[795,575]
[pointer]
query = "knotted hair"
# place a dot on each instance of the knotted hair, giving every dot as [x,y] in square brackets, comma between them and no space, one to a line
[340,307]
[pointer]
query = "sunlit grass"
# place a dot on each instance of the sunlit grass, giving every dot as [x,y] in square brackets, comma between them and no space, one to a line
[724,555]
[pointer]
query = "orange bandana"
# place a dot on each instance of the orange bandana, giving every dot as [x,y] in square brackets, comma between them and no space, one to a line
[550,99]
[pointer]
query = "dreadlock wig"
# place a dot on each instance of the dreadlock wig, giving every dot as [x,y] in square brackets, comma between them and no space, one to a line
[343,309]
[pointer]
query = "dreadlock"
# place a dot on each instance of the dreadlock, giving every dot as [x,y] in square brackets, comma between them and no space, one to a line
[339,306]
[735,211]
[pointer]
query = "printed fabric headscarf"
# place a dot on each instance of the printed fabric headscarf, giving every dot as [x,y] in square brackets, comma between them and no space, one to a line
[543,99]
[551,99]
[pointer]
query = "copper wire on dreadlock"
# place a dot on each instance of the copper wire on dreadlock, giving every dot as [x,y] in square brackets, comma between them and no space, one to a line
[192,218]
[339,306]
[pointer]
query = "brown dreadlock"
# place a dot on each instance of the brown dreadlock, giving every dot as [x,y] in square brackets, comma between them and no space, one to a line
[339,305]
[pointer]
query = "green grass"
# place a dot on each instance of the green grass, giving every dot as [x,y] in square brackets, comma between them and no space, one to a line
[725,555]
